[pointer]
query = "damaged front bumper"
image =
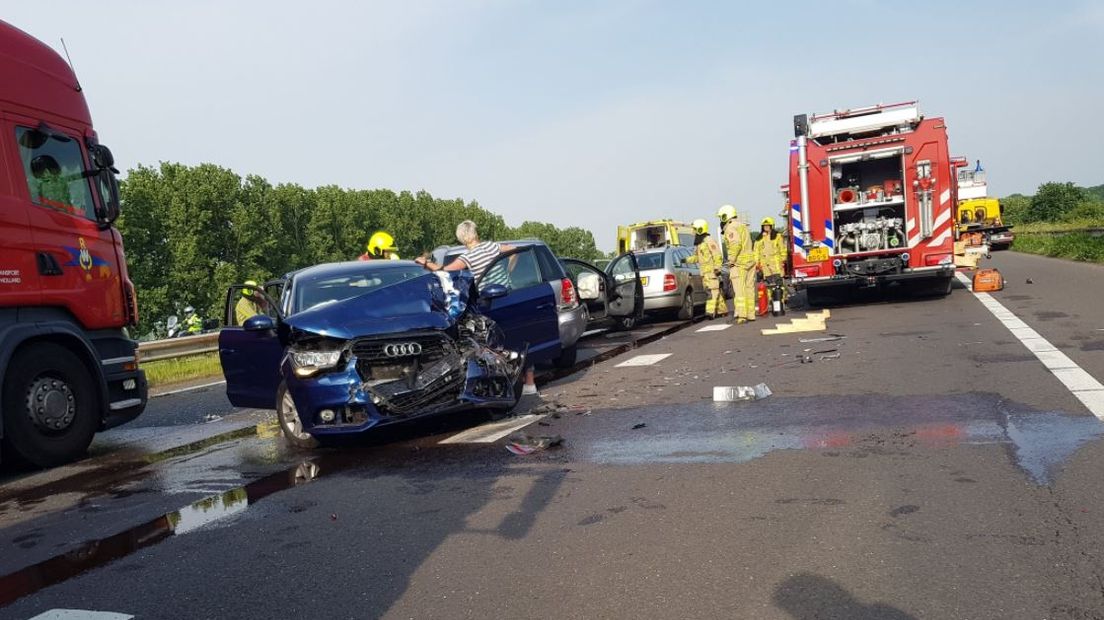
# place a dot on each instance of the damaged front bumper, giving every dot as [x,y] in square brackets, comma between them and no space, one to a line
[374,387]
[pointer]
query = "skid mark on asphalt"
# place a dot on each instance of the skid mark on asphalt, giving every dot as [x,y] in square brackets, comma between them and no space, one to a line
[492,431]
[1080,383]
[644,360]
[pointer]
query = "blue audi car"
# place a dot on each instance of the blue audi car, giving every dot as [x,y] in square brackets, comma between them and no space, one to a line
[342,348]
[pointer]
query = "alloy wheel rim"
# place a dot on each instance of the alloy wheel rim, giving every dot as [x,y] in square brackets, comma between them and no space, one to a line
[289,417]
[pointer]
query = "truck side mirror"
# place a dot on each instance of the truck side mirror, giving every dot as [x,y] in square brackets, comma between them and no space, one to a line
[101,156]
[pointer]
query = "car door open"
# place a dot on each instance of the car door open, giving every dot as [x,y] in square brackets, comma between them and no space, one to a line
[627,297]
[592,284]
[250,348]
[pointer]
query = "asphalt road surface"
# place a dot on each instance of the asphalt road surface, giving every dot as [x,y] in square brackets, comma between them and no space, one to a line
[940,460]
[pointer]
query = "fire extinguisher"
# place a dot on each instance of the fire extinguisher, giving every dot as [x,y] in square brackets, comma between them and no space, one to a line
[777,296]
[762,299]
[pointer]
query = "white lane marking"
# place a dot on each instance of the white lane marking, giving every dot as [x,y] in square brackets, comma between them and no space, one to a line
[80,614]
[187,389]
[1080,383]
[643,360]
[492,431]
[713,328]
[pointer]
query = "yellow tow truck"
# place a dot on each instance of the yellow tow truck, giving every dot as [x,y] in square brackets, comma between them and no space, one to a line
[980,218]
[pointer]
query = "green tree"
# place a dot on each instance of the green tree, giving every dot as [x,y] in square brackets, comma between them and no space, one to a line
[1054,201]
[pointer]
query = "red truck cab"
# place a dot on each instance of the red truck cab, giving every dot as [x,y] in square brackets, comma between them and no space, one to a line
[67,364]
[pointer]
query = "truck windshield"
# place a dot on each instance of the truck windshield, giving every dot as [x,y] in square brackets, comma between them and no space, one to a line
[53,166]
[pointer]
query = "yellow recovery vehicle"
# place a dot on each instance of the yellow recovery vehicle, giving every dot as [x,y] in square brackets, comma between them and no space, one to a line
[980,218]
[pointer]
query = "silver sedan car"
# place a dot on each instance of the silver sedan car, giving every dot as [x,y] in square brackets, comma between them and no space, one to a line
[670,284]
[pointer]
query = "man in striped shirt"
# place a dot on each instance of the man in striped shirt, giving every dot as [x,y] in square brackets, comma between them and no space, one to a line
[478,257]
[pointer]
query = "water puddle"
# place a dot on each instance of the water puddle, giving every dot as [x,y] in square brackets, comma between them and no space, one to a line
[1039,442]
[205,512]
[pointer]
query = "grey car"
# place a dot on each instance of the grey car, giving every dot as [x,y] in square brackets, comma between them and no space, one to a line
[670,283]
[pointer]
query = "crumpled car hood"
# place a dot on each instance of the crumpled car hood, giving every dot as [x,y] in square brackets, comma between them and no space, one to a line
[420,303]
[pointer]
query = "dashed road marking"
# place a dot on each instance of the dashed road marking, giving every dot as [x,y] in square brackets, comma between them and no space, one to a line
[187,389]
[492,431]
[644,360]
[80,614]
[713,328]
[1080,383]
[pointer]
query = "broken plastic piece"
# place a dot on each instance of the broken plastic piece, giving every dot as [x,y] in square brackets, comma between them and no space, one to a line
[828,338]
[528,444]
[723,393]
[834,356]
[639,426]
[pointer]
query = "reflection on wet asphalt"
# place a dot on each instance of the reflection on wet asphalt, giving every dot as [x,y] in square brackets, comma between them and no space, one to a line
[707,432]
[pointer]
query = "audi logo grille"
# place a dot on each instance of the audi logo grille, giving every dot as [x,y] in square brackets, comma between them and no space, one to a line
[404,349]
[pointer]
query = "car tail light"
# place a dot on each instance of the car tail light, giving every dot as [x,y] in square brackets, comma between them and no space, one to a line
[810,271]
[669,283]
[567,294]
[938,259]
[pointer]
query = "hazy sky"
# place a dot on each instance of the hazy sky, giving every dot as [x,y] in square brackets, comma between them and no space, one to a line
[585,114]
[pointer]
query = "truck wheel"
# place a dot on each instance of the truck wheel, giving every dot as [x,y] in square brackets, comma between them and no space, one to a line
[290,424]
[50,406]
[686,311]
[567,357]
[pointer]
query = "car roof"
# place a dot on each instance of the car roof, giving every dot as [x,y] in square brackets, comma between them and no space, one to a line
[520,243]
[336,270]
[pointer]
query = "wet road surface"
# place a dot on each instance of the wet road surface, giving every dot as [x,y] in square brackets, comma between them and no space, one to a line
[935,469]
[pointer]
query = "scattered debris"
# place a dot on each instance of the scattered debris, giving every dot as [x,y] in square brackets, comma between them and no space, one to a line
[543,423]
[333,516]
[825,351]
[828,338]
[525,445]
[806,359]
[212,417]
[722,393]
[834,356]
[1029,281]
[639,426]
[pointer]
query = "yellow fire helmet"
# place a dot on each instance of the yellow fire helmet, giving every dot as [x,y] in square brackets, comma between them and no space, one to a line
[700,226]
[381,242]
[767,221]
[726,213]
[246,292]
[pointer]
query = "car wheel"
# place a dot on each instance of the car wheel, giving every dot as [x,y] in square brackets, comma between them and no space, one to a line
[626,323]
[686,311]
[567,357]
[49,406]
[290,424]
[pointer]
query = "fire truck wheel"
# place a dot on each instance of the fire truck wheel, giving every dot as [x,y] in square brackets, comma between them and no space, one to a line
[50,411]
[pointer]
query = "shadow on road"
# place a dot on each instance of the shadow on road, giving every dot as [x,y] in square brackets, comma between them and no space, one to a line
[812,597]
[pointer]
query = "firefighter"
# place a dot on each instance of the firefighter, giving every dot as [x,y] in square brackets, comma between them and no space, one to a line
[708,256]
[249,305]
[770,251]
[381,246]
[741,264]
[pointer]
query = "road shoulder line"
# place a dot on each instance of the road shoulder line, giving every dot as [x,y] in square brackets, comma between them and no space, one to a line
[1079,382]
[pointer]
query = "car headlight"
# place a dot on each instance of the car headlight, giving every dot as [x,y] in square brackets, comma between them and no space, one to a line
[307,363]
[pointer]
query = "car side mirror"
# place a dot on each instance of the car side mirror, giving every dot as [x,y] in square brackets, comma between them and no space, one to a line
[590,286]
[493,291]
[259,323]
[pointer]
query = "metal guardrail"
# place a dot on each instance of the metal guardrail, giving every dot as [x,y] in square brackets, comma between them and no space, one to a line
[177,347]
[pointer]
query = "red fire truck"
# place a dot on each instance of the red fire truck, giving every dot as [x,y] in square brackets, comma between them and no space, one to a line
[67,365]
[873,207]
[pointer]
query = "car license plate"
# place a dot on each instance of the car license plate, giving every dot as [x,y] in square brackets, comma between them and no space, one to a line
[818,254]
[643,280]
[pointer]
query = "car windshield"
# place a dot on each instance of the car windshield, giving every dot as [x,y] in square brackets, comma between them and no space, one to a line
[652,260]
[314,291]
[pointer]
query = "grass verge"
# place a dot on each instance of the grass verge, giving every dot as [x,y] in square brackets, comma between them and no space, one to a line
[1056,227]
[1073,246]
[163,372]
